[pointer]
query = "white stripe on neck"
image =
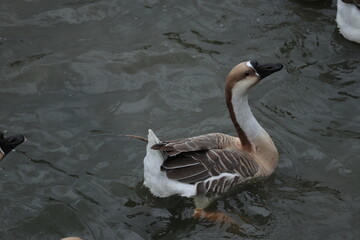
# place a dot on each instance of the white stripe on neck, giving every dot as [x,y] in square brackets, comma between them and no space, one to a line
[243,114]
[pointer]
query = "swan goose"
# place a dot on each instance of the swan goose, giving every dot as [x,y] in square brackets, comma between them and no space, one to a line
[348,19]
[9,143]
[207,165]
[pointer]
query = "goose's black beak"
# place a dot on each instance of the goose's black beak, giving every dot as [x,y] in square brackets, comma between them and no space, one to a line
[9,143]
[265,70]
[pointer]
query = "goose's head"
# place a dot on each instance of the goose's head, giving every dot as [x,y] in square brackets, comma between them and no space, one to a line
[9,143]
[247,74]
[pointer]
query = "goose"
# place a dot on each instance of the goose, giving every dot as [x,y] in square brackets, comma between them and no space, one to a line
[206,166]
[348,19]
[9,143]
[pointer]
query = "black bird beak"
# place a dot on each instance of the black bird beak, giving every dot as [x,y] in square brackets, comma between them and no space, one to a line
[265,69]
[9,143]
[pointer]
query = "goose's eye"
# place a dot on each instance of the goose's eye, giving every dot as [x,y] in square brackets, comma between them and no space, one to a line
[247,74]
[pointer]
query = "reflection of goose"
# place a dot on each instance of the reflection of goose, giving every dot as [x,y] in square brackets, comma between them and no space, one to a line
[348,19]
[210,164]
[9,143]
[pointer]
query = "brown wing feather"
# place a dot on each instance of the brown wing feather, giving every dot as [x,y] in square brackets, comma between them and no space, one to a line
[179,161]
[186,166]
[203,142]
[181,174]
[197,178]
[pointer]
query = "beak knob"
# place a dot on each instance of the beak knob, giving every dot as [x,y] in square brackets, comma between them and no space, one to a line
[265,70]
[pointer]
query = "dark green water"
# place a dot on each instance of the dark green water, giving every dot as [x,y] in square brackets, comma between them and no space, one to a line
[78,75]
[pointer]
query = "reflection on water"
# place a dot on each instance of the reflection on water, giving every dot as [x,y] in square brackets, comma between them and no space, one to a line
[76,76]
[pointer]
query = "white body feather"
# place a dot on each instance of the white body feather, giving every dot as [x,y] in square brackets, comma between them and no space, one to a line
[348,20]
[156,180]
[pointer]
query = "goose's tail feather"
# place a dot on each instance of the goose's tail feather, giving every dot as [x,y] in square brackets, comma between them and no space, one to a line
[155,179]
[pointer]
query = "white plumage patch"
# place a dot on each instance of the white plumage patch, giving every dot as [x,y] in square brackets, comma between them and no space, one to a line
[156,180]
[213,184]
[243,112]
[250,65]
[348,20]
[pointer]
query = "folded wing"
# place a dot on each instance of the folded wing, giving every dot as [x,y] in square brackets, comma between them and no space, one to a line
[211,161]
[193,144]
[214,171]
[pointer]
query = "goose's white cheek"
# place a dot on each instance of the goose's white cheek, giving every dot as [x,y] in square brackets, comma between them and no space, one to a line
[243,86]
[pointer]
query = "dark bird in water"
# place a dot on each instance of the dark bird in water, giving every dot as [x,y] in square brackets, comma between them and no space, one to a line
[9,143]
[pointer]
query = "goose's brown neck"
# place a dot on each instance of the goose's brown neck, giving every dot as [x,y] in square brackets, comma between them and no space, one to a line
[242,135]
